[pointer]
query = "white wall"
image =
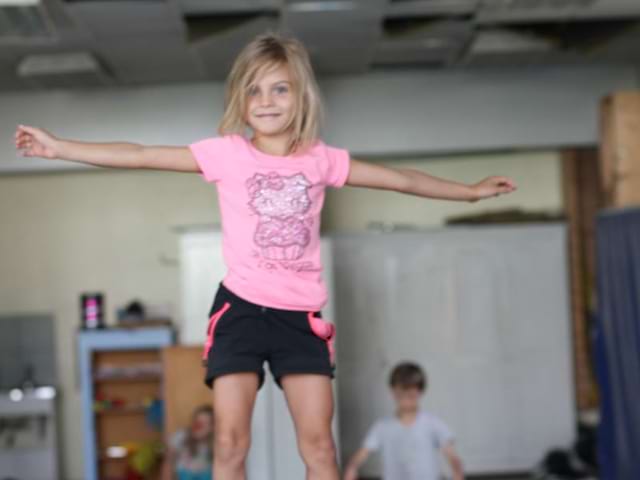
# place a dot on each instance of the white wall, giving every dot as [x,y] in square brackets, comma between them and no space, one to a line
[413,112]
[471,110]
[537,174]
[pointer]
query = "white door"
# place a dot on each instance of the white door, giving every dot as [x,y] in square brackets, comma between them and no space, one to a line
[486,311]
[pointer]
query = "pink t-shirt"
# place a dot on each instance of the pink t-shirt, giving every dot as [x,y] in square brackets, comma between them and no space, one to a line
[270,208]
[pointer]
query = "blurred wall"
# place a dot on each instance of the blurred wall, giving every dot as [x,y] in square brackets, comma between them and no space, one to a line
[537,174]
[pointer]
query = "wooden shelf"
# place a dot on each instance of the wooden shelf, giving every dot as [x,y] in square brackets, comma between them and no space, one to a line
[123,368]
[129,379]
[105,459]
[121,411]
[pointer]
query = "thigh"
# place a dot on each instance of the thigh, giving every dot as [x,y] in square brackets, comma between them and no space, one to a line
[234,396]
[310,401]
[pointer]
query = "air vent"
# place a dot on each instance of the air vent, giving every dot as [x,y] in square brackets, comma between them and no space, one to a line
[22,20]
[423,41]
[220,7]
[440,8]
[505,47]
[533,5]
[514,11]
[425,26]
[62,70]
[585,36]
[203,26]
[496,42]
[115,1]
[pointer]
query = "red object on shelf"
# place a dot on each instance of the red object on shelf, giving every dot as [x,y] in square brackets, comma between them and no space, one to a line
[133,475]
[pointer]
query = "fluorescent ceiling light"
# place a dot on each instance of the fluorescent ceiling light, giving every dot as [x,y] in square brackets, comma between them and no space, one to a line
[57,64]
[19,3]
[339,6]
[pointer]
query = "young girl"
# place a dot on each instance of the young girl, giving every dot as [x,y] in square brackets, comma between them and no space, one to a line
[190,451]
[271,188]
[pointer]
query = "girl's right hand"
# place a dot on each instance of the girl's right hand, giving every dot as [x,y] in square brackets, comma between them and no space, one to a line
[36,142]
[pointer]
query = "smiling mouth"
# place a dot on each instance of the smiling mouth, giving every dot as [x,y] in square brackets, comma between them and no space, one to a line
[268,115]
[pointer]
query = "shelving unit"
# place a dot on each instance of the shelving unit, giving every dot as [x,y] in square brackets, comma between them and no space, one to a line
[115,396]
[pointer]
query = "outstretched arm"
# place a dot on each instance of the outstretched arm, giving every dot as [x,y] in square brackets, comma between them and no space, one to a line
[414,182]
[454,461]
[36,142]
[351,472]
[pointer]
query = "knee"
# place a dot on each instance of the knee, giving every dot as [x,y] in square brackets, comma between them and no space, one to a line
[318,449]
[231,447]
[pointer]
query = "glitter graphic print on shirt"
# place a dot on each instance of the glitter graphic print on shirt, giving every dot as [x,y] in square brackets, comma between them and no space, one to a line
[282,204]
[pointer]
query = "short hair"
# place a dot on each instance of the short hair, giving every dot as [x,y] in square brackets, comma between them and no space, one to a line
[408,375]
[265,52]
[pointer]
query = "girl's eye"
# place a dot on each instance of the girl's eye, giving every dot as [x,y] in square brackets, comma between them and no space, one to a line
[253,91]
[281,90]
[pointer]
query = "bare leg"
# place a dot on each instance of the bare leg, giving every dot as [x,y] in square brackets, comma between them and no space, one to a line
[234,396]
[310,401]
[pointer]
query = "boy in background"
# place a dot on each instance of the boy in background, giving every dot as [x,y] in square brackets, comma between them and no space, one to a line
[411,440]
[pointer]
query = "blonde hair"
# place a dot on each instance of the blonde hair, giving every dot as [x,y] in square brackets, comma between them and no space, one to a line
[265,52]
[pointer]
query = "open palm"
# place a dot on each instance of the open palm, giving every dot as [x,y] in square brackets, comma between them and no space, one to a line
[35,142]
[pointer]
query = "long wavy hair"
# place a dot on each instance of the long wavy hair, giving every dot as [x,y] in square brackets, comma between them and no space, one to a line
[265,52]
[191,443]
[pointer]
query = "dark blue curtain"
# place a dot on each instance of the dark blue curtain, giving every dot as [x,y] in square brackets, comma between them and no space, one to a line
[617,343]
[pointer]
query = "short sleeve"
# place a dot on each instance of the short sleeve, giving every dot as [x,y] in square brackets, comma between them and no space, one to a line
[373,440]
[337,167]
[442,434]
[211,155]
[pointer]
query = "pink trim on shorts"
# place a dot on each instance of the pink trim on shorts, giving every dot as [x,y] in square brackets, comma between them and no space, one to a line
[213,321]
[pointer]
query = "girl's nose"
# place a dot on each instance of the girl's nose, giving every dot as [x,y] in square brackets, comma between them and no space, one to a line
[265,99]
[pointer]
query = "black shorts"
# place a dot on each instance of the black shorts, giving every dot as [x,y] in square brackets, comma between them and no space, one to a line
[241,336]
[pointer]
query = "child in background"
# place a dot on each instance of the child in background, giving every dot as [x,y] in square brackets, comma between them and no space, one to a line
[190,451]
[271,170]
[411,440]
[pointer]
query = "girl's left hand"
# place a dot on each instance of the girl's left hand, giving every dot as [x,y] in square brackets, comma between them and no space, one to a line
[493,187]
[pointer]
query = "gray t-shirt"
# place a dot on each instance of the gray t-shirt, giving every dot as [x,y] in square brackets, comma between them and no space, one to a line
[409,452]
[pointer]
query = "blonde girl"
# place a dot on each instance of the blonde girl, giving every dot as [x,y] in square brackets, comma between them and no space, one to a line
[271,170]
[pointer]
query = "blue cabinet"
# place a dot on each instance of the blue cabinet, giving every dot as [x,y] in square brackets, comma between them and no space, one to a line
[121,383]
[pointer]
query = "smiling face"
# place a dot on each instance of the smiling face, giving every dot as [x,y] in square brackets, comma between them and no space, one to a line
[271,102]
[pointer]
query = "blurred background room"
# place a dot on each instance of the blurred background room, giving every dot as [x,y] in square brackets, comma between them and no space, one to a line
[524,310]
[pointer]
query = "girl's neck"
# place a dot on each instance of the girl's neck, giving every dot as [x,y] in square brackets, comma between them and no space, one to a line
[272,145]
